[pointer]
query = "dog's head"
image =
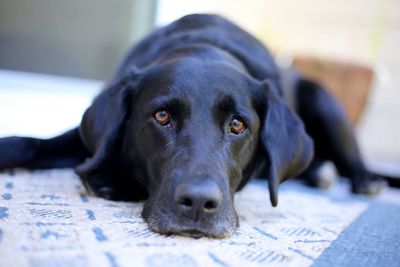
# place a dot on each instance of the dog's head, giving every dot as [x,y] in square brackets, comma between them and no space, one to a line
[193,132]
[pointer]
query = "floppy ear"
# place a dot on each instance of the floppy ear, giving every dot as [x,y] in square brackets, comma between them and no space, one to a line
[103,122]
[287,146]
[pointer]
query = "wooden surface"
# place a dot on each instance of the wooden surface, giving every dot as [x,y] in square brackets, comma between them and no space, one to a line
[348,82]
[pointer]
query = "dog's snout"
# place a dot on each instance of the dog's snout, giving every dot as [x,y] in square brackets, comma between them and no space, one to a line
[198,200]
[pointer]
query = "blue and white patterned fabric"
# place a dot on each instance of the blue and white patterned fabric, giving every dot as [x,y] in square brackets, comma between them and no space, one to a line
[47,219]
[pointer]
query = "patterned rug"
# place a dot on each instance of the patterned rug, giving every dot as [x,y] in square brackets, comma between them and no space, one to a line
[46,219]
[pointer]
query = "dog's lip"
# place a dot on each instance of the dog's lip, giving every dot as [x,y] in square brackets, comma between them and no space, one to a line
[195,233]
[194,230]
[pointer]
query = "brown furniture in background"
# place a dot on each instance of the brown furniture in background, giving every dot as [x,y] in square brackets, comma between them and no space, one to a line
[350,83]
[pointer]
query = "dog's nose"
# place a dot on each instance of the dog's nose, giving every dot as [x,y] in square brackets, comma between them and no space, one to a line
[198,200]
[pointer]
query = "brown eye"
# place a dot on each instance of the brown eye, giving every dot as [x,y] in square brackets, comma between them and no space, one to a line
[162,117]
[237,126]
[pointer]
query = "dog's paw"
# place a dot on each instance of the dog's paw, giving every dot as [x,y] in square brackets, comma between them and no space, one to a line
[102,191]
[106,193]
[368,187]
[112,193]
[318,182]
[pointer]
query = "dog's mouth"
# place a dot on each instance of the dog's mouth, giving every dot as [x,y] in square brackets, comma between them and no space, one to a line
[197,233]
[194,233]
[216,229]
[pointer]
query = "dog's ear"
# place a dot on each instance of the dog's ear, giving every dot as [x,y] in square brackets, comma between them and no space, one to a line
[288,148]
[102,123]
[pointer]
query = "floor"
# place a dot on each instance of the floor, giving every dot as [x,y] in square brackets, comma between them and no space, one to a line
[46,218]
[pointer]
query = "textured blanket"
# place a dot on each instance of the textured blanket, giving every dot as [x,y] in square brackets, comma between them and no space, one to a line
[47,219]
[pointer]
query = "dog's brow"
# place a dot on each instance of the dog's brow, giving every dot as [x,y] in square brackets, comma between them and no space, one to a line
[226,104]
[171,103]
[160,101]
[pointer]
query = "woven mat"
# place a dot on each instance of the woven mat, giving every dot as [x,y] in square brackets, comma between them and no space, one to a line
[46,219]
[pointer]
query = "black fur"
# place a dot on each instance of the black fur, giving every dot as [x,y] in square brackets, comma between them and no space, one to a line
[207,74]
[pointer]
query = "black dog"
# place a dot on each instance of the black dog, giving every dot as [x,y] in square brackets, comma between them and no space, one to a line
[196,110]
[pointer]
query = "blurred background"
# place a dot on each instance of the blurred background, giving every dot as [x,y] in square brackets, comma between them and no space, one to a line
[352,46]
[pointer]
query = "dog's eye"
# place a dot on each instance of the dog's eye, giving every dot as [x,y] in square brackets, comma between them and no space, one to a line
[162,117]
[237,125]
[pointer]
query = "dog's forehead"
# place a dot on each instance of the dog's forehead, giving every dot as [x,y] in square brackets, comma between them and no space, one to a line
[200,82]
